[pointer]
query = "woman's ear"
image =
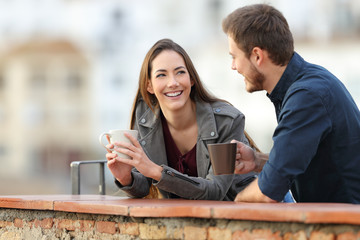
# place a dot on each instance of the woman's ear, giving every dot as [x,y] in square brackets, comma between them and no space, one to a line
[149,87]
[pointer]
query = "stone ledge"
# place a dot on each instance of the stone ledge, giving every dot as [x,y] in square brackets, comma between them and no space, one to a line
[329,213]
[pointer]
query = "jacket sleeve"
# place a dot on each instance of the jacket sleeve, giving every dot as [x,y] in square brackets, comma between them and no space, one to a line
[139,187]
[221,187]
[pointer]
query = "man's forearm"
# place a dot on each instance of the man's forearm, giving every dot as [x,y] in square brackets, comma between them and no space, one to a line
[252,193]
[260,160]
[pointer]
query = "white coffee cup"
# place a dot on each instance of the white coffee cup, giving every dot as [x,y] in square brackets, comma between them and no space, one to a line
[117,135]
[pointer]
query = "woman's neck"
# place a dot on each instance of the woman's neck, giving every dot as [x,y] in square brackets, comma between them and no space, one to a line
[181,119]
[183,127]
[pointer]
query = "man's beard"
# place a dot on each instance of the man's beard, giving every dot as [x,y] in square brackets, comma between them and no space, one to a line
[257,80]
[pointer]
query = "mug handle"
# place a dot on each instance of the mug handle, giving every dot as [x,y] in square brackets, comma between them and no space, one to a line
[100,140]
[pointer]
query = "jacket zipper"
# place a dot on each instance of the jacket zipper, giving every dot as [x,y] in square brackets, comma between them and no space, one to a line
[181,177]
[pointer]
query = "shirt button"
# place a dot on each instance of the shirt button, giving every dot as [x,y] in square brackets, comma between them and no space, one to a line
[143,120]
[143,142]
[217,110]
[212,134]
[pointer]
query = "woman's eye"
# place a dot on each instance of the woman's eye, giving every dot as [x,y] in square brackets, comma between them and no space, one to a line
[160,75]
[180,72]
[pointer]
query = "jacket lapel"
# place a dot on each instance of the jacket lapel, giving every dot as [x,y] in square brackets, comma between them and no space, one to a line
[151,134]
[207,133]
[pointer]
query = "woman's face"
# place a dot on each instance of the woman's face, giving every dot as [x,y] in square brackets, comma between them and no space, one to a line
[170,81]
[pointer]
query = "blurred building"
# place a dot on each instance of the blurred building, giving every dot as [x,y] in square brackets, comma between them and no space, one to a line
[45,108]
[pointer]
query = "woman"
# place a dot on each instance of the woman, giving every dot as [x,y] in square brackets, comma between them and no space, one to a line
[176,118]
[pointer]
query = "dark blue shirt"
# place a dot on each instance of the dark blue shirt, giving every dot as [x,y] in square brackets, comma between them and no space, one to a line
[316,150]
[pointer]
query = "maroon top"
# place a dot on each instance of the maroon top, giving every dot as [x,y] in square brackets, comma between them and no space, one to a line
[183,163]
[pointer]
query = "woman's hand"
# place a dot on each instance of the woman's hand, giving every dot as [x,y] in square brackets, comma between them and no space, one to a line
[245,158]
[139,159]
[121,171]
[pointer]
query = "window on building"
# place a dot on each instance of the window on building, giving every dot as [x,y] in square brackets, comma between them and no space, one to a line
[2,114]
[2,81]
[3,153]
[2,150]
[34,114]
[38,80]
[74,80]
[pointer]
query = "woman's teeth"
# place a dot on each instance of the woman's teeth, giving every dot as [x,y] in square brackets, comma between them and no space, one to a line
[173,94]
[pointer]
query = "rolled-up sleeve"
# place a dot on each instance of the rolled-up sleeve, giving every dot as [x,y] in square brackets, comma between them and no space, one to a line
[272,183]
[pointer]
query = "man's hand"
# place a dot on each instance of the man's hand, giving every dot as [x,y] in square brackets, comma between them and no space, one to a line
[245,158]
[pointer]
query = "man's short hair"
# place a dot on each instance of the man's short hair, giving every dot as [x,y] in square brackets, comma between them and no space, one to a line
[263,26]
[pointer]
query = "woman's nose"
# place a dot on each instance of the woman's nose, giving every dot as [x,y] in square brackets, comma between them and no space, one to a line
[173,82]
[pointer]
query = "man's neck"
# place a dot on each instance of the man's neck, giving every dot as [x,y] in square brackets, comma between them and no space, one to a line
[273,76]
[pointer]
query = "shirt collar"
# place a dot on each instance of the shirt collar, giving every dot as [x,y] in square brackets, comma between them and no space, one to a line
[287,79]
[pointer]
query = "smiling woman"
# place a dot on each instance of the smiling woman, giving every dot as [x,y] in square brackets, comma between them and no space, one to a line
[176,118]
[171,84]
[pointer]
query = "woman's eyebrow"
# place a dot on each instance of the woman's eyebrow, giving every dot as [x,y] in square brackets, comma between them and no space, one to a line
[163,70]
[179,67]
[160,70]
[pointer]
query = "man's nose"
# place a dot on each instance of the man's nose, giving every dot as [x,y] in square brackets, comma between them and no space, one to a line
[233,65]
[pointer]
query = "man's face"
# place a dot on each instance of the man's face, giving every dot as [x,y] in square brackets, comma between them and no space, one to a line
[253,78]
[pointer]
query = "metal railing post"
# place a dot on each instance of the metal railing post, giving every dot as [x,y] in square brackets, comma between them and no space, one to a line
[75,175]
[75,178]
[102,179]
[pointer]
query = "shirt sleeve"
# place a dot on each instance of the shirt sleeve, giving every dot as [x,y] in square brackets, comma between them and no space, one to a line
[302,123]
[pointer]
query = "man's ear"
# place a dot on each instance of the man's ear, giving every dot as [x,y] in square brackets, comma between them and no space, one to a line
[257,55]
[149,87]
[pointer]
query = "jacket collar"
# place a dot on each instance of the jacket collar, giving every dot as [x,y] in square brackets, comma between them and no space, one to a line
[149,118]
[206,121]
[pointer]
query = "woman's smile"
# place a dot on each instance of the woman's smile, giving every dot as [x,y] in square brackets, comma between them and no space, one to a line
[173,94]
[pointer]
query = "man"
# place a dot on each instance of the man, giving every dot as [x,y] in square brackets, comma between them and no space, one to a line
[316,150]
